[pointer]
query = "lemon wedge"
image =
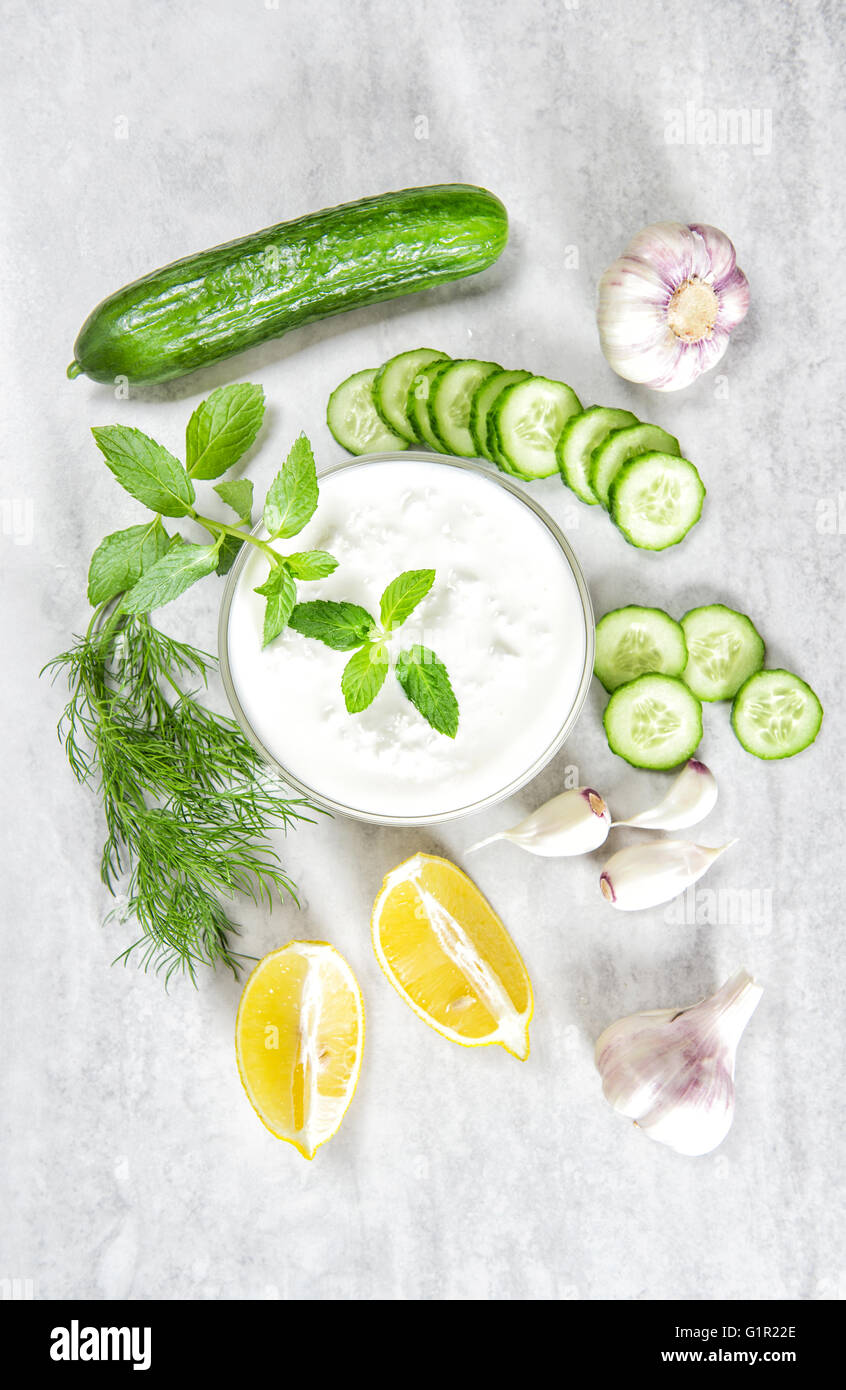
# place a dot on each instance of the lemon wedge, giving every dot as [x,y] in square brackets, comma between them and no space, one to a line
[299,1037]
[444,949]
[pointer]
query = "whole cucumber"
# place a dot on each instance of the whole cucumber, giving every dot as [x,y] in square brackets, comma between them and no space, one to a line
[206,307]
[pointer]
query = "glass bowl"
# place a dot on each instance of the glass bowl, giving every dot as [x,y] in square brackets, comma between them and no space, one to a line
[302,788]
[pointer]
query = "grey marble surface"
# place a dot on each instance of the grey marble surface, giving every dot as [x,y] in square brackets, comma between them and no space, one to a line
[133,1165]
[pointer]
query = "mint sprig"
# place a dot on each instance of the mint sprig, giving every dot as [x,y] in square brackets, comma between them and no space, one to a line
[349,627]
[148,567]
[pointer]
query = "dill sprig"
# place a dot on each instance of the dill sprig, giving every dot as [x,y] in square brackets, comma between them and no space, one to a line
[186,799]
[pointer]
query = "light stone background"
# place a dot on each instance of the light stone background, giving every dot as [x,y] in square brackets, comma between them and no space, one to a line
[133,1165]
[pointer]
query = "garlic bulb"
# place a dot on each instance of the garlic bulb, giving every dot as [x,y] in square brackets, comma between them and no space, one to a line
[669,303]
[672,1070]
[689,800]
[648,875]
[575,822]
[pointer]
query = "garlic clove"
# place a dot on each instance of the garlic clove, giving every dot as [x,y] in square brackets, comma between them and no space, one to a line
[575,822]
[672,1070]
[689,800]
[643,876]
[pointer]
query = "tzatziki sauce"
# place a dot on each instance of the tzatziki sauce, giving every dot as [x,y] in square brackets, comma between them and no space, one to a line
[505,615]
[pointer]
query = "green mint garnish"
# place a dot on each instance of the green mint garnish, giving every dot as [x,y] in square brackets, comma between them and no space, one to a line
[345,626]
[425,681]
[342,626]
[280,590]
[403,595]
[312,564]
[170,576]
[149,568]
[222,428]
[147,470]
[120,559]
[292,497]
[364,675]
[238,494]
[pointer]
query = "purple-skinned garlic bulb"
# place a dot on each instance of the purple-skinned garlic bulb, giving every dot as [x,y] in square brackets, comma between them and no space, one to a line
[575,822]
[669,303]
[672,1070]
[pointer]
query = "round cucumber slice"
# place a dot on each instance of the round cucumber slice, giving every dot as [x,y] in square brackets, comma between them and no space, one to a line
[528,419]
[655,499]
[775,714]
[417,405]
[483,398]
[724,648]
[354,421]
[654,722]
[582,434]
[391,385]
[620,445]
[450,400]
[633,641]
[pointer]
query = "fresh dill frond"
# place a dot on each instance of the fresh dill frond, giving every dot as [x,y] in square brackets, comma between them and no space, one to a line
[186,799]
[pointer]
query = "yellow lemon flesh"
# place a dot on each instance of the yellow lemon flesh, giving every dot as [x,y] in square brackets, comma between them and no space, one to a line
[444,949]
[299,1037]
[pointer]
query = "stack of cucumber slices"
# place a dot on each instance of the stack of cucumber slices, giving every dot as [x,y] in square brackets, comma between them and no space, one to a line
[529,426]
[659,671]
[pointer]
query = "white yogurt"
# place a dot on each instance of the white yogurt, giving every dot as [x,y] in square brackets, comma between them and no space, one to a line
[504,614]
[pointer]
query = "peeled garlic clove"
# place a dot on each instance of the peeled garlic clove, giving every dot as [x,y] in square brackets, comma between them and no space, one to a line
[672,1070]
[647,875]
[668,304]
[689,800]
[575,822]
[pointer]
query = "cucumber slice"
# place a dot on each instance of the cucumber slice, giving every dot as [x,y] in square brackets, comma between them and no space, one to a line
[527,420]
[390,387]
[581,436]
[724,648]
[609,457]
[450,400]
[632,641]
[654,721]
[775,714]
[353,420]
[655,499]
[417,405]
[485,395]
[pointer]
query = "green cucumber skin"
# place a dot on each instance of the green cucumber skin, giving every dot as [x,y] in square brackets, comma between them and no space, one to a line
[737,704]
[203,308]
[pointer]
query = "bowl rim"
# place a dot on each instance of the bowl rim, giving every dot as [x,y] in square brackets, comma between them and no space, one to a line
[327,803]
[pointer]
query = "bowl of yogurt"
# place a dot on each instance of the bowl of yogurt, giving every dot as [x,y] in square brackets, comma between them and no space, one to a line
[509,614]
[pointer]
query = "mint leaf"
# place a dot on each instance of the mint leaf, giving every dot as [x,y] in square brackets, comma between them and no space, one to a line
[364,675]
[228,554]
[403,595]
[292,497]
[341,626]
[145,469]
[312,564]
[237,494]
[121,558]
[280,591]
[425,681]
[222,428]
[170,576]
